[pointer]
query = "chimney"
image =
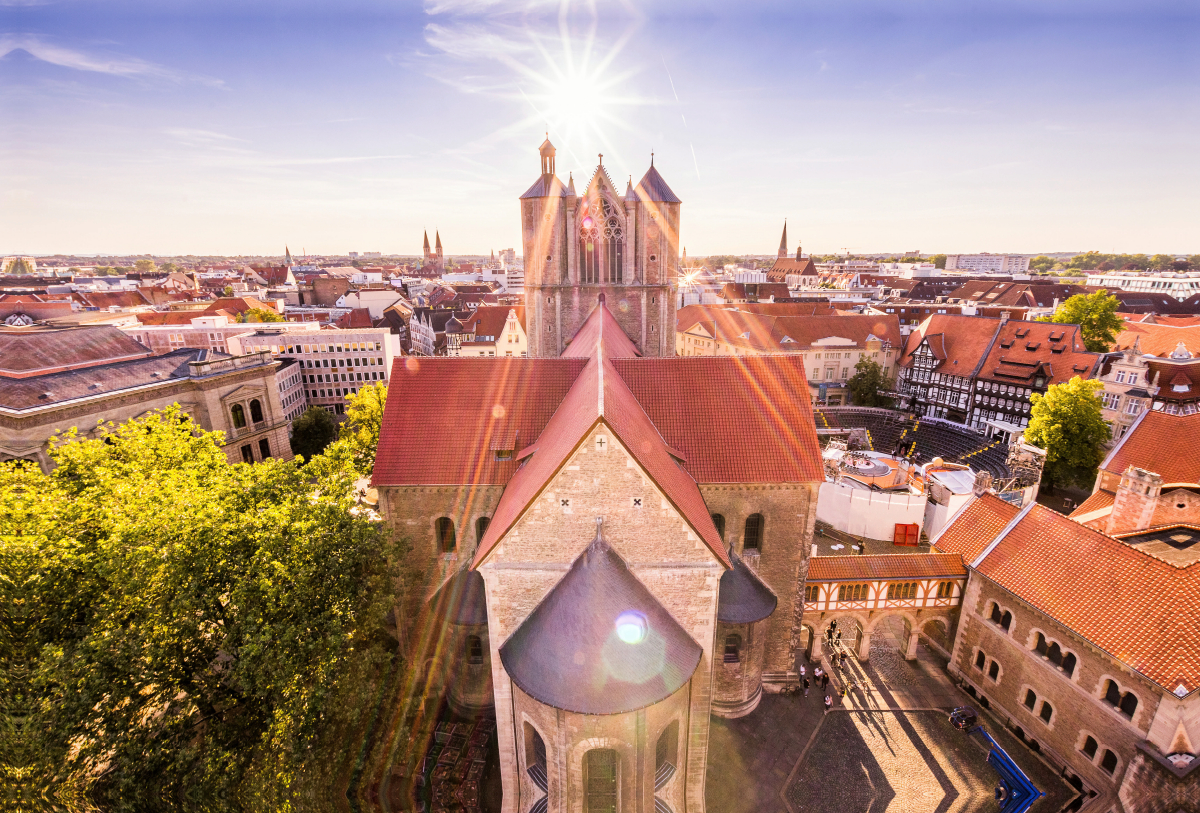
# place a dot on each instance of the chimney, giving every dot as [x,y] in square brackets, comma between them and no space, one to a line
[1004,315]
[983,483]
[1137,497]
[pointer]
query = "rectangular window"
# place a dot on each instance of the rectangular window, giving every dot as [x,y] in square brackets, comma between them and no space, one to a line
[264,448]
[600,768]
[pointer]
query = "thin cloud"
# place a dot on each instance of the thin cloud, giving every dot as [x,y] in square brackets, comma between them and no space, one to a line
[128,67]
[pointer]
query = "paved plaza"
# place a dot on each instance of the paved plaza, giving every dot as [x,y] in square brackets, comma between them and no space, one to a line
[886,746]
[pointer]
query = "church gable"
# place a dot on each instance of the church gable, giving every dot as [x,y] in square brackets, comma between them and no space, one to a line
[602,478]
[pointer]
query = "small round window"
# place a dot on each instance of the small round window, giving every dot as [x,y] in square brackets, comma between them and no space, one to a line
[653,258]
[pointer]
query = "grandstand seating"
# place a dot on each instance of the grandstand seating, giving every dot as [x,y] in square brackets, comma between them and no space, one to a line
[894,433]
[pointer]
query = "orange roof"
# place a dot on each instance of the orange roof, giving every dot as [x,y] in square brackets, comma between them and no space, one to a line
[489,320]
[975,527]
[1161,337]
[1141,610]
[1022,349]
[769,333]
[885,567]
[960,342]
[599,394]
[1102,501]
[1153,434]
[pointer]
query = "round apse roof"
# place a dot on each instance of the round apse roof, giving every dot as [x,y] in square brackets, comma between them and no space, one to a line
[599,642]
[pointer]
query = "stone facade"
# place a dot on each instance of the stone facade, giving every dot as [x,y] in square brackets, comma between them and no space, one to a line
[209,393]
[1078,709]
[633,263]
[789,515]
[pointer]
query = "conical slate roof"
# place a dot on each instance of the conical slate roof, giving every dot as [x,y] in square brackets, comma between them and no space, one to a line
[599,642]
[653,187]
[743,598]
[546,186]
[462,599]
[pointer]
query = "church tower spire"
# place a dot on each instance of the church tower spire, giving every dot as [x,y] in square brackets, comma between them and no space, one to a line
[783,252]
[287,256]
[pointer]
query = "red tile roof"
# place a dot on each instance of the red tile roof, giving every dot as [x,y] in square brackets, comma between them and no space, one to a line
[1143,611]
[600,395]
[1161,336]
[1100,501]
[974,529]
[1153,434]
[885,567]
[489,320]
[1031,348]
[745,419]
[441,432]
[761,332]
[790,265]
[961,342]
[34,352]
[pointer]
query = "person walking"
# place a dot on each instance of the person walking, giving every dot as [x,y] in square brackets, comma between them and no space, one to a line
[802,670]
[828,703]
[806,687]
[824,682]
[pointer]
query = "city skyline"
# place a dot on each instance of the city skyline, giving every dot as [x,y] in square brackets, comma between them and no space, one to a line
[228,130]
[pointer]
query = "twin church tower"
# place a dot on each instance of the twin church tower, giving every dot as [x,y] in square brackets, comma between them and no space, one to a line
[580,248]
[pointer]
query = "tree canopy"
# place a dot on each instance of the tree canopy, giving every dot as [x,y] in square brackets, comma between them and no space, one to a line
[260,315]
[1096,315]
[183,624]
[868,384]
[144,266]
[1067,422]
[312,432]
[364,417]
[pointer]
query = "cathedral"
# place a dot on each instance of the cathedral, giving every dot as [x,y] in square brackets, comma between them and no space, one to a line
[605,543]
[579,247]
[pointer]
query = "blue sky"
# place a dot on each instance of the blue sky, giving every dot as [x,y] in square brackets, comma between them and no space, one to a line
[236,127]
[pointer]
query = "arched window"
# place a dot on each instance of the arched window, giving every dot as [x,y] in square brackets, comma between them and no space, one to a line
[614,245]
[1041,647]
[719,521]
[733,648]
[600,781]
[1068,664]
[1090,746]
[1054,654]
[238,413]
[481,526]
[444,529]
[474,649]
[1002,618]
[1030,699]
[666,752]
[994,671]
[256,413]
[535,756]
[1109,761]
[1125,702]
[1047,712]
[754,532]
[589,247]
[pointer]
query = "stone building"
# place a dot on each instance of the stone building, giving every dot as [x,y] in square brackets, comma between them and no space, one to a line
[579,246]
[54,379]
[1081,631]
[641,573]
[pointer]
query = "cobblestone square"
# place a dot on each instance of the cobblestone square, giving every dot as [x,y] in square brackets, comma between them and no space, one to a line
[886,746]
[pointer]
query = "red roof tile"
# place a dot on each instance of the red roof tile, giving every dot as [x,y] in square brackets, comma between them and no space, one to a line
[975,527]
[441,431]
[764,332]
[599,394]
[745,419]
[34,352]
[1141,610]
[489,320]
[1161,336]
[886,567]
[1144,444]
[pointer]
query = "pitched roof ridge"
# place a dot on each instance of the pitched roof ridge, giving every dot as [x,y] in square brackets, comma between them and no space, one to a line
[1005,531]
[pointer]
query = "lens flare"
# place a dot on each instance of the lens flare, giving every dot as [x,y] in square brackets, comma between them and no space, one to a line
[631,627]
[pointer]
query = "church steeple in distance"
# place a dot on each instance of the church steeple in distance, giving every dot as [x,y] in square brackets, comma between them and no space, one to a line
[783,252]
[425,247]
[287,256]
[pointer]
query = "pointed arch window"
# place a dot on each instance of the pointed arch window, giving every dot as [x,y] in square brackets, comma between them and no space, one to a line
[614,243]
[589,248]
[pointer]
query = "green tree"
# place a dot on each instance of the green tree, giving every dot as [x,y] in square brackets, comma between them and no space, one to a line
[868,384]
[1067,423]
[260,315]
[939,260]
[312,432]
[227,290]
[364,418]
[168,268]
[144,266]
[1041,263]
[1096,315]
[182,620]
